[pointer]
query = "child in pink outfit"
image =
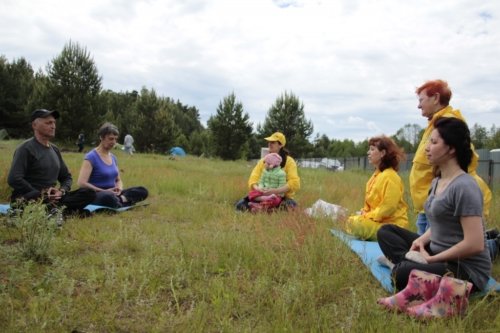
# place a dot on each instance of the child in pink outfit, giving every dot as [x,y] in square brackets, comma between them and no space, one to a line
[272,177]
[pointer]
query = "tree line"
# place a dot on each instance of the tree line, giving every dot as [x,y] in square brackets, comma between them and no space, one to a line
[71,84]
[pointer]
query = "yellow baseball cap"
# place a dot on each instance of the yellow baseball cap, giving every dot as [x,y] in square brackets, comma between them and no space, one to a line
[277,136]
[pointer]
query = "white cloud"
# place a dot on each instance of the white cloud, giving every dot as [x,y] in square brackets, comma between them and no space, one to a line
[354,64]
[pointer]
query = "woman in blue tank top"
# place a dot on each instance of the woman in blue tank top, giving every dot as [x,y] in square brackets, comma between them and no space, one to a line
[100,173]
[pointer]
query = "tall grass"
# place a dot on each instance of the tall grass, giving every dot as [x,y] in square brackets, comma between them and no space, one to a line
[189,263]
[35,230]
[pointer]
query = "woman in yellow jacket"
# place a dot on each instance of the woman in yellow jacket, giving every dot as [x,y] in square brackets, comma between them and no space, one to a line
[433,99]
[276,144]
[384,201]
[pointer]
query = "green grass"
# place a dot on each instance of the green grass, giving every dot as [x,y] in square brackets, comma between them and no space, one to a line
[189,263]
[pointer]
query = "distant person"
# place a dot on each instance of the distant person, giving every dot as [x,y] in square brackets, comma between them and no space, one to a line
[276,144]
[100,173]
[453,244]
[272,177]
[433,99]
[80,142]
[38,166]
[128,144]
[384,194]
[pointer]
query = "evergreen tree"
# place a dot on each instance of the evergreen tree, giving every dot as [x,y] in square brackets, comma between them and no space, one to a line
[40,95]
[286,115]
[321,144]
[479,136]
[119,108]
[155,128]
[74,87]
[230,129]
[186,117]
[16,86]
[342,148]
[493,141]
[254,147]
[362,148]
[408,137]
[199,143]
[166,132]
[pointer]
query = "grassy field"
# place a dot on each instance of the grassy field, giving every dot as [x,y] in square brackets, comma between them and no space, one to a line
[189,263]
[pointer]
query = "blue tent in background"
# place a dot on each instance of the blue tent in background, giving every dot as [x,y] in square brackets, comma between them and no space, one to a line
[177,151]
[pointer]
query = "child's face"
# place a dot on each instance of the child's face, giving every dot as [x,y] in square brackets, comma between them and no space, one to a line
[268,166]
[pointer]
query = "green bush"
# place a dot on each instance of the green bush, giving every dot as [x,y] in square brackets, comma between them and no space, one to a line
[36,230]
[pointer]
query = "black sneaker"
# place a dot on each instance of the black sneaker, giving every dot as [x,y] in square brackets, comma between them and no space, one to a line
[492,233]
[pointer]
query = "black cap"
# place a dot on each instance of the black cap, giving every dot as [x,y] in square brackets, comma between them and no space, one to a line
[42,113]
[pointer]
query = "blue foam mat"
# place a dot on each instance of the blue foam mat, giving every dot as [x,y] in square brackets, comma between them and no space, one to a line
[4,208]
[97,208]
[91,208]
[370,251]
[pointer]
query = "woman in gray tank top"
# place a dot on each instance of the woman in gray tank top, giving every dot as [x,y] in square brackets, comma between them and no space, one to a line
[437,270]
[455,242]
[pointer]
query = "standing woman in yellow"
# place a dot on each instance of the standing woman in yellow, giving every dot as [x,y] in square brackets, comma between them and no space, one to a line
[433,99]
[384,201]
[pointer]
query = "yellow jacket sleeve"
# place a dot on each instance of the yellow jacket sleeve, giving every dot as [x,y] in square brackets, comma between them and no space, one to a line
[485,190]
[292,177]
[256,174]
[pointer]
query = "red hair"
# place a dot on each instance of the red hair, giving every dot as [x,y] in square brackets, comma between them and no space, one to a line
[393,153]
[436,87]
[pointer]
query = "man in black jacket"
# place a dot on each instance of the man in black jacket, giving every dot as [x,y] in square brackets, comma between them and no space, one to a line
[38,166]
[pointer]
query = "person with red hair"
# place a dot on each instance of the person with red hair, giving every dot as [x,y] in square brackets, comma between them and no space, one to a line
[384,202]
[433,99]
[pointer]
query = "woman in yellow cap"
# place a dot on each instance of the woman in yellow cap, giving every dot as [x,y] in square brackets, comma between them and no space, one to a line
[276,144]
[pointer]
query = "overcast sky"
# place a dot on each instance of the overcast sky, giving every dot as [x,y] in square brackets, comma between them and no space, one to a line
[354,64]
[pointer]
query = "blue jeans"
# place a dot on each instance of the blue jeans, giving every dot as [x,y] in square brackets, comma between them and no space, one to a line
[422,224]
[492,247]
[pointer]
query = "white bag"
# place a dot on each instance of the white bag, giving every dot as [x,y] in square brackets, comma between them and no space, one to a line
[325,209]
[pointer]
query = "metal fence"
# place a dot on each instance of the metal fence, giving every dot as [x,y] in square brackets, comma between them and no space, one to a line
[488,165]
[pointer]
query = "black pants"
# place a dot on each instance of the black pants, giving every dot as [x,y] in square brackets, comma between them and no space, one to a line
[73,201]
[395,242]
[133,195]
